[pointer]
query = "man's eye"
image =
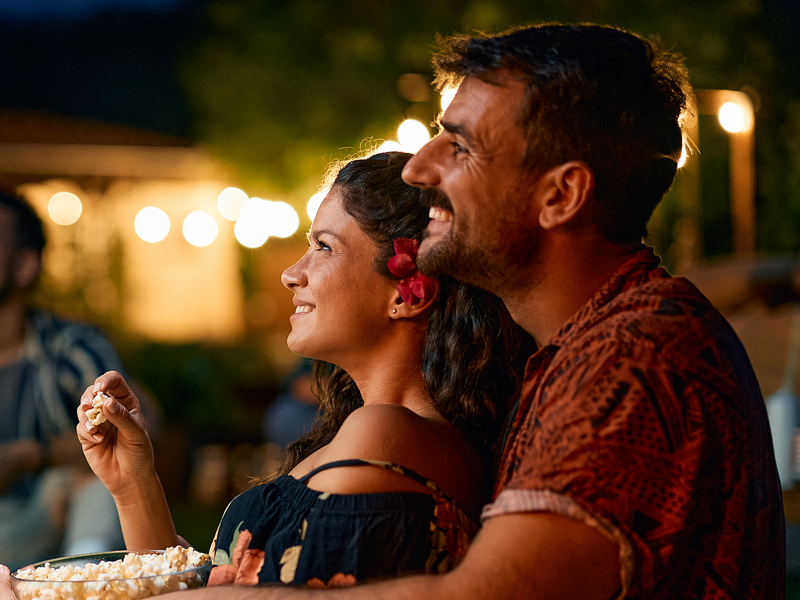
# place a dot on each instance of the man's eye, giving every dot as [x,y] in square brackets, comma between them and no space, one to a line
[457,148]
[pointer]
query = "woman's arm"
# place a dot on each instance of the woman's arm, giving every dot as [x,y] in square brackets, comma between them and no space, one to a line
[121,455]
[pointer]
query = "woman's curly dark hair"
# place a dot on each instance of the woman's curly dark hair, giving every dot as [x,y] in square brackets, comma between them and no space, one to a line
[473,351]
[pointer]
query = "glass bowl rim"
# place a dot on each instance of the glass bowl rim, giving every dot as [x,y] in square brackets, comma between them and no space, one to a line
[96,558]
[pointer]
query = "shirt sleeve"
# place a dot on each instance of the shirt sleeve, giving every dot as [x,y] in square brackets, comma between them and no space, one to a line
[620,436]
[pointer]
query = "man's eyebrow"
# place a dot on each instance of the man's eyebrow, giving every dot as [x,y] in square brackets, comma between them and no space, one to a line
[454,128]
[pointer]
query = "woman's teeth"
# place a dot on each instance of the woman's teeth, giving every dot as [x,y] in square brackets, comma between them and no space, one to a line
[306,308]
[440,214]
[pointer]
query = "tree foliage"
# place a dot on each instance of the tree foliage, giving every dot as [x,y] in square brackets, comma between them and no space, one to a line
[279,87]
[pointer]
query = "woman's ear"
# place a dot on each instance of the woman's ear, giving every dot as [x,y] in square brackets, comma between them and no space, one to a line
[570,189]
[400,309]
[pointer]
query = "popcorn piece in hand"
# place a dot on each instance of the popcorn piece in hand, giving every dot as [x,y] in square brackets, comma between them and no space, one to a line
[95,414]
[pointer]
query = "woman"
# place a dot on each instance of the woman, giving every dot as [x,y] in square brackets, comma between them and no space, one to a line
[393,477]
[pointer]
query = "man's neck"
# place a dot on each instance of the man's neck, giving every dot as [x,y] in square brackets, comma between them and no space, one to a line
[12,329]
[569,279]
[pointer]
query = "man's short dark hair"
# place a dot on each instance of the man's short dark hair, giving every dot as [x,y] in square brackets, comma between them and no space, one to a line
[28,228]
[594,94]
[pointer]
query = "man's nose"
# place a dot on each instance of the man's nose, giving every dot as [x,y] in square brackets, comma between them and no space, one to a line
[422,169]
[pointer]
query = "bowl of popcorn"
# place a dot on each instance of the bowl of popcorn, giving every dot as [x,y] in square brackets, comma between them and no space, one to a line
[112,575]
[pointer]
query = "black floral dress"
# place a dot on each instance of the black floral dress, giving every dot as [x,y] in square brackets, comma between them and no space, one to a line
[284,532]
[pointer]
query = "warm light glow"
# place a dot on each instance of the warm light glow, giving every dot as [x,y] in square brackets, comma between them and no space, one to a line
[682,159]
[313,203]
[447,97]
[413,135]
[230,202]
[389,146]
[284,220]
[200,228]
[252,227]
[64,208]
[731,117]
[151,224]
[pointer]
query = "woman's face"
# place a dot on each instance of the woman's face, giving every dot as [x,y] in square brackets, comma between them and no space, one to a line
[342,305]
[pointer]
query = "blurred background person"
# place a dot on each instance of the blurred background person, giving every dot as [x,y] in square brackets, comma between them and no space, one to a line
[293,412]
[50,502]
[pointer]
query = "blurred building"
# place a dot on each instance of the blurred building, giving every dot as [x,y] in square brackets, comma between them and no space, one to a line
[165,291]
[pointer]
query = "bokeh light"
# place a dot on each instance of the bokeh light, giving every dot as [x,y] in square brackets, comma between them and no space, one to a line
[64,208]
[151,224]
[447,97]
[284,220]
[200,228]
[731,117]
[230,202]
[389,146]
[413,135]
[252,227]
[313,204]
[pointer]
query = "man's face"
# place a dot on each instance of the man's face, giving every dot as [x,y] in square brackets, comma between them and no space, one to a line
[484,226]
[8,253]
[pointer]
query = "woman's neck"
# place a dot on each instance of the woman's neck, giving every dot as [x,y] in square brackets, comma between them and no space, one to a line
[392,374]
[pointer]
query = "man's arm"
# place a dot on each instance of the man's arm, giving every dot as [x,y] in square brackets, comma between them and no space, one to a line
[526,555]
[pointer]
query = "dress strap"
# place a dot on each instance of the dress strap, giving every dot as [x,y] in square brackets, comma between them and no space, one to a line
[399,469]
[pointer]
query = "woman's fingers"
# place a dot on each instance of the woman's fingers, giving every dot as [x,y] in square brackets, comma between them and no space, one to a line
[5,584]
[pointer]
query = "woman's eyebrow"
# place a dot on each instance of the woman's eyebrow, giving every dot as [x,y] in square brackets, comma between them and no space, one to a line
[318,232]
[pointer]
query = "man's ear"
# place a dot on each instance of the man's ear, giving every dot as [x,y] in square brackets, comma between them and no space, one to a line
[570,188]
[400,309]
[26,268]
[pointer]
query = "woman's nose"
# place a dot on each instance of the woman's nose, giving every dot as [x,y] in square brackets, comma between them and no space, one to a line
[294,276]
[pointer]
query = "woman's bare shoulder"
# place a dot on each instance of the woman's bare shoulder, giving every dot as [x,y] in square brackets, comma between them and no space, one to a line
[397,435]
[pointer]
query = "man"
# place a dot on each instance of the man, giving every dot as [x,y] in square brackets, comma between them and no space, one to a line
[638,463]
[50,503]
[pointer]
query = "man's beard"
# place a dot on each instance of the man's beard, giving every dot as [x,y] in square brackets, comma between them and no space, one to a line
[493,266]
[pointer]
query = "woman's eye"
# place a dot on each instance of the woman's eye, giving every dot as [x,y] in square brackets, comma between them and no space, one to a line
[321,245]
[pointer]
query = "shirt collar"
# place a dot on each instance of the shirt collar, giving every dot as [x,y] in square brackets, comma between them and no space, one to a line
[638,269]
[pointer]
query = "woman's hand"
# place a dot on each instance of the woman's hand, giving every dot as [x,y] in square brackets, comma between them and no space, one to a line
[5,584]
[118,451]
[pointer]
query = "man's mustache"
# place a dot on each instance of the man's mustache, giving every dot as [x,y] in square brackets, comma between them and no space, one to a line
[437,198]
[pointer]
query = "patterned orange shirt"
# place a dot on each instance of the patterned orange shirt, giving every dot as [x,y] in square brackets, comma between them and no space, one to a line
[643,418]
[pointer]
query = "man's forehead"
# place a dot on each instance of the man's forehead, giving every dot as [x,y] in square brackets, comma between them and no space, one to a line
[480,103]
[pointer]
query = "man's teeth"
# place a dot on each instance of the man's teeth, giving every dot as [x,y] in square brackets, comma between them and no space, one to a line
[440,214]
[305,308]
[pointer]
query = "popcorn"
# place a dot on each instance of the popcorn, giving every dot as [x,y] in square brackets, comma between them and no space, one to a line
[95,414]
[133,577]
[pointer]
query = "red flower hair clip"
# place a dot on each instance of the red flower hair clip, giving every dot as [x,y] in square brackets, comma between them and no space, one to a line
[414,286]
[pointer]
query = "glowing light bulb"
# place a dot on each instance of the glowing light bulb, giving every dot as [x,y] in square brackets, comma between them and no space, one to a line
[313,204]
[413,135]
[252,227]
[284,220]
[151,224]
[731,117]
[64,208]
[230,202]
[389,146]
[200,228]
